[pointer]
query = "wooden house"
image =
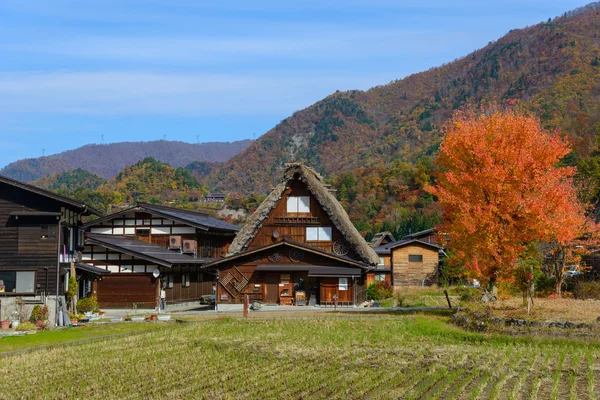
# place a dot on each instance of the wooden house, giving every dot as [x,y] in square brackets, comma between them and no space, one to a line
[383,270]
[382,238]
[153,253]
[299,247]
[40,238]
[215,197]
[429,236]
[412,262]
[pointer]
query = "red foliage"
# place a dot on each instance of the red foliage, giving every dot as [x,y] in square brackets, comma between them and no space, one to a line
[501,188]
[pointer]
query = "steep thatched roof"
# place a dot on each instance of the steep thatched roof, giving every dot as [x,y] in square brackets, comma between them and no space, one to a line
[380,238]
[314,183]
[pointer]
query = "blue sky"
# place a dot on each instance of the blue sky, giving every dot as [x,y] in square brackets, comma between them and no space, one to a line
[130,70]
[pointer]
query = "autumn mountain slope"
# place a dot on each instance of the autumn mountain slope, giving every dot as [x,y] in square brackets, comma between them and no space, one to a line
[108,160]
[552,69]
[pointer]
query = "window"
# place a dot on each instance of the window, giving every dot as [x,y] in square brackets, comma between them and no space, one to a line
[321,234]
[379,277]
[169,281]
[17,281]
[185,280]
[343,284]
[142,231]
[48,232]
[298,204]
[381,261]
[415,258]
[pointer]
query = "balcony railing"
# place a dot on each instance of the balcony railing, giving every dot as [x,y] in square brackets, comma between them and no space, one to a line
[296,220]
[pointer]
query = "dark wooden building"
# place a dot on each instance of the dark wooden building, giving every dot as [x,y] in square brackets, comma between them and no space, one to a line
[299,247]
[40,238]
[153,253]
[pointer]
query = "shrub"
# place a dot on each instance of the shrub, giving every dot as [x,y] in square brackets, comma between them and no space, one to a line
[88,304]
[465,293]
[544,286]
[39,313]
[25,326]
[587,290]
[72,290]
[380,290]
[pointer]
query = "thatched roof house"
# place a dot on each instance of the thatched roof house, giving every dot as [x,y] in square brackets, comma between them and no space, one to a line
[314,183]
[298,247]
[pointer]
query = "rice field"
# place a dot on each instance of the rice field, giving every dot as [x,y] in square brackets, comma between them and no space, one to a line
[309,357]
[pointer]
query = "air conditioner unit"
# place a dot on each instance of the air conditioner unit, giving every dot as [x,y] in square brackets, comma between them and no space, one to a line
[189,246]
[174,242]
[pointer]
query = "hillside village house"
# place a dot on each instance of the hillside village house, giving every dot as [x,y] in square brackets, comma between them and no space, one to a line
[412,261]
[40,238]
[155,253]
[299,247]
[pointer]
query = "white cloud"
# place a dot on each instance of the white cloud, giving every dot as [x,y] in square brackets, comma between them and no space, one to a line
[311,44]
[143,93]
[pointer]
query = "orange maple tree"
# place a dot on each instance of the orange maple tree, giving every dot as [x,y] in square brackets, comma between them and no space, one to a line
[501,187]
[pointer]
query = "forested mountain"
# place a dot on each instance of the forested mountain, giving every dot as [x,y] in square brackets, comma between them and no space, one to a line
[109,159]
[149,181]
[376,146]
[200,169]
[68,182]
[552,68]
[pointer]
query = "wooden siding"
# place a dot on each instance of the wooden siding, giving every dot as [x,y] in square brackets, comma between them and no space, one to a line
[21,245]
[124,265]
[293,225]
[200,284]
[128,291]
[405,273]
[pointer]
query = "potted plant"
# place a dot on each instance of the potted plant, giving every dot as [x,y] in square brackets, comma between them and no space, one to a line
[4,314]
[39,316]
[74,318]
[14,319]
[88,305]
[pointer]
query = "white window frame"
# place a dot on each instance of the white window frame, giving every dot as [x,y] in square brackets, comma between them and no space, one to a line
[298,204]
[185,280]
[170,281]
[342,284]
[319,234]
[379,276]
[381,261]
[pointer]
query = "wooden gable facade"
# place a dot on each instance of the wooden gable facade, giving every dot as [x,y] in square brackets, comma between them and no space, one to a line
[414,263]
[298,248]
[293,225]
[136,243]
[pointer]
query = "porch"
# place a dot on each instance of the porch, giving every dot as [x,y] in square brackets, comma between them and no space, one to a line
[292,285]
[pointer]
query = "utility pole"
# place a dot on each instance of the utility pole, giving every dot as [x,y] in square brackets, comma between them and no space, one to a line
[43,152]
[102,139]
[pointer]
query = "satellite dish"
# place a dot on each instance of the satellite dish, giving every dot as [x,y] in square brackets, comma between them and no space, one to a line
[156,273]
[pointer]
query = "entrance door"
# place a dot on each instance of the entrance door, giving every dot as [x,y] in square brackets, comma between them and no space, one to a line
[340,287]
[272,287]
